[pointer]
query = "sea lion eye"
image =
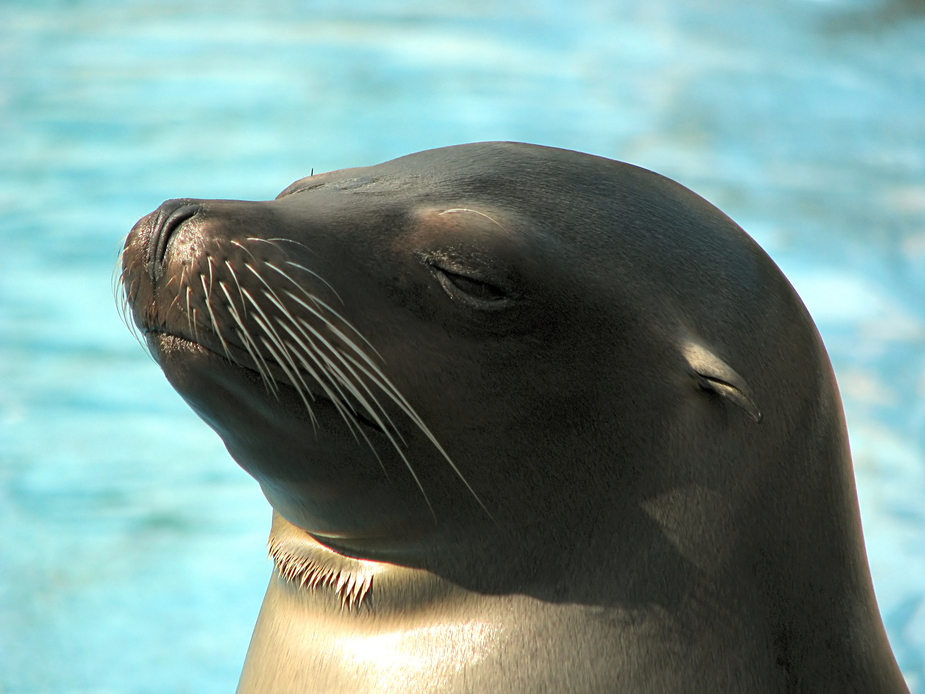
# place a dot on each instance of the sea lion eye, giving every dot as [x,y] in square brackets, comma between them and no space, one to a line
[468,290]
[474,287]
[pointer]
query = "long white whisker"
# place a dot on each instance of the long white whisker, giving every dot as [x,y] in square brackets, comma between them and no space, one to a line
[196,325]
[324,340]
[310,272]
[336,381]
[246,250]
[297,243]
[394,443]
[297,382]
[234,275]
[315,300]
[339,333]
[314,356]
[308,294]
[281,357]
[274,298]
[302,326]
[379,378]
[214,321]
[362,399]
[271,332]
[289,350]
[189,311]
[399,399]
[352,426]
[176,299]
[389,389]
[132,328]
[118,287]
[466,209]
[211,279]
[386,385]
[270,289]
[244,334]
[371,370]
[269,242]
[339,380]
[279,360]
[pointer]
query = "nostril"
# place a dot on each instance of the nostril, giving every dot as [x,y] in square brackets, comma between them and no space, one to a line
[171,224]
[170,217]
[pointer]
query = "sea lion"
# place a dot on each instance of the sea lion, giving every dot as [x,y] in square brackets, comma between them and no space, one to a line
[530,420]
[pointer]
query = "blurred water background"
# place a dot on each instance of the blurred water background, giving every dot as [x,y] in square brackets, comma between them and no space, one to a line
[131,547]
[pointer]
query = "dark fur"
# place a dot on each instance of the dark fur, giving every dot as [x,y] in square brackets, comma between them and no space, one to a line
[647,485]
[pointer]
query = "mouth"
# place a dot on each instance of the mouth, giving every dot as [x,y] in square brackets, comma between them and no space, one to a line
[274,376]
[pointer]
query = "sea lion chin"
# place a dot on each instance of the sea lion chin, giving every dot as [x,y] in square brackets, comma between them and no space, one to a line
[529,420]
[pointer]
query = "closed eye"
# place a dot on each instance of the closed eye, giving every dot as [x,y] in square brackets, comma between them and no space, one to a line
[470,291]
[473,287]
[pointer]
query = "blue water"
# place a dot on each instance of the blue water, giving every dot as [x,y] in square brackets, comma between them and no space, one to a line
[131,547]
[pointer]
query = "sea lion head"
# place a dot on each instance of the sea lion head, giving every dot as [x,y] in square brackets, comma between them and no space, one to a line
[493,345]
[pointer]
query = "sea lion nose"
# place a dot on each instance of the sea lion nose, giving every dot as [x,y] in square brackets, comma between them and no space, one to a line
[168,218]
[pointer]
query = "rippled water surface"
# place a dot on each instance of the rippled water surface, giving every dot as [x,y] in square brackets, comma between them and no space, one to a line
[131,546]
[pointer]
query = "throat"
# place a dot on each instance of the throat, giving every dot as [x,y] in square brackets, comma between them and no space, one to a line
[310,566]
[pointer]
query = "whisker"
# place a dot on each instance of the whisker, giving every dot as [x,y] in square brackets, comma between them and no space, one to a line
[189,312]
[211,279]
[466,209]
[338,370]
[395,445]
[377,376]
[302,326]
[275,299]
[297,243]
[313,274]
[245,249]
[352,426]
[176,298]
[359,396]
[119,290]
[123,306]
[308,294]
[271,295]
[297,382]
[337,379]
[339,333]
[389,389]
[246,338]
[399,399]
[375,417]
[214,321]
[238,284]
[196,325]
[313,355]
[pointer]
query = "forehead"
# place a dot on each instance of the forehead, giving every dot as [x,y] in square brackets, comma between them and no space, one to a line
[475,168]
[606,212]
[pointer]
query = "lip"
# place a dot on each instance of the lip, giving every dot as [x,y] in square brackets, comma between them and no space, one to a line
[239,357]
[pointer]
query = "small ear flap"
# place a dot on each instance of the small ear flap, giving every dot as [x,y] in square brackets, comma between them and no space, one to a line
[714,374]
